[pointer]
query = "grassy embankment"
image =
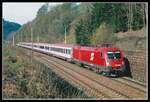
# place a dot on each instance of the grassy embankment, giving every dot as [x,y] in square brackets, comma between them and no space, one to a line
[21,79]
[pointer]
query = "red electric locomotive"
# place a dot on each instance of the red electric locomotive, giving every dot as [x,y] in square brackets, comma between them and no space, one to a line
[106,60]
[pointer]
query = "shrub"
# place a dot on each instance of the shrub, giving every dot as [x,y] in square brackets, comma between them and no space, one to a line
[103,34]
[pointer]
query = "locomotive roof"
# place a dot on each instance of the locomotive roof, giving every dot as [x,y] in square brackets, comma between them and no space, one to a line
[97,48]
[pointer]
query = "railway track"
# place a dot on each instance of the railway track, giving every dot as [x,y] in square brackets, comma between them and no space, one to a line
[131,83]
[99,86]
[100,90]
[90,90]
[135,82]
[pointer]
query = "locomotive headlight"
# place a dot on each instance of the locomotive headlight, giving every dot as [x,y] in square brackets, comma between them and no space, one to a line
[107,63]
[123,63]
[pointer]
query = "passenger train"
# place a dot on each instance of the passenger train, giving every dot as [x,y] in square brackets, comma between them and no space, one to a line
[108,61]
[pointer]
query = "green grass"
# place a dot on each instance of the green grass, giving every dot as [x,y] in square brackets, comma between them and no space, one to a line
[23,79]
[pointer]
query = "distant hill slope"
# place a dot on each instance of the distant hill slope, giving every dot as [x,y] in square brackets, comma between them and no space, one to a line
[9,27]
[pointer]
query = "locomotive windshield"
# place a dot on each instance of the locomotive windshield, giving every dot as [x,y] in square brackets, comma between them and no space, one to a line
[114,55]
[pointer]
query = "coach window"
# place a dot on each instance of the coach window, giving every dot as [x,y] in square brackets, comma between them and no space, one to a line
[42,47]
[59,50]
[52,49]
[68,51]
[63,50]
[46,47]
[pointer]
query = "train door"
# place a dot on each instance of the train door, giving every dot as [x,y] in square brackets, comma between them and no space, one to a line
[102,58]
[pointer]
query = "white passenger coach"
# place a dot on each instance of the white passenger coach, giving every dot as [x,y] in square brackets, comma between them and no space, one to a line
[59,50]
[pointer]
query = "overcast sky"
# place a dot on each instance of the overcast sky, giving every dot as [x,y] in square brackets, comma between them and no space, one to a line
[21,12]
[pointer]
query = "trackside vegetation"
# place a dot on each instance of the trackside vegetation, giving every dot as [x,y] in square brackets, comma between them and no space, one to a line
[21,79]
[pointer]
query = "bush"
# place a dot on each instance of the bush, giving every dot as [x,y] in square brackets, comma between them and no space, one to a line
[104,34]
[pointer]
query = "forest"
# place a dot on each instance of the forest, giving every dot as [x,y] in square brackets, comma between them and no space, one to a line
[84,23]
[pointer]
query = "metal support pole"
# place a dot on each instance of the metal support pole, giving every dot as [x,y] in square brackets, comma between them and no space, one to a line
[65,34]
[32,44]
[13,40]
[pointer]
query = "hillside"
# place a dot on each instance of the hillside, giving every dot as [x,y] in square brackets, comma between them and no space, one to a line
[131,40]
[82,23]
[9,27]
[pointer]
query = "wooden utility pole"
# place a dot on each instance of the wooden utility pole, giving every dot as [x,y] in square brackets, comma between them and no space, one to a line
[65,34]
[26,38]
[146,11]
[32,43]
[21,37]
[146,14]
[38,38]
[130,16]
[13,40]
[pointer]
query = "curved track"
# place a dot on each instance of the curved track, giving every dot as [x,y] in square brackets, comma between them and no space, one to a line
[131,83]
[96,85]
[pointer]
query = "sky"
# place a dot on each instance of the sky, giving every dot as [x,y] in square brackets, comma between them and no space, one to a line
[21,12]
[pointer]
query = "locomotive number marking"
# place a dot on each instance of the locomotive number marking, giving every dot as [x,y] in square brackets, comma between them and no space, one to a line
[92,56]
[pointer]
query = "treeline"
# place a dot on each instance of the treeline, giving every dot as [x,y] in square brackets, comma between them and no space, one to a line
[85,23]
[8,28]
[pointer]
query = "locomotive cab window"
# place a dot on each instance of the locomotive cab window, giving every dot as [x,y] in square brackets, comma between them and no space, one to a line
[114,55]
